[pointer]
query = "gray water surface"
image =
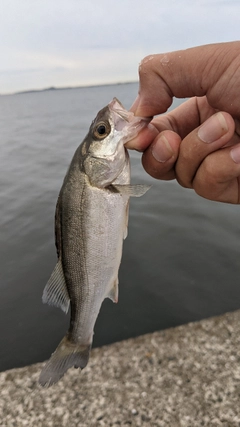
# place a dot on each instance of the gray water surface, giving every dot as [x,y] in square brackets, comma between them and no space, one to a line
[180,260]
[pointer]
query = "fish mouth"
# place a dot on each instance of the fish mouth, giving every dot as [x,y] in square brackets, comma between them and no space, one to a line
[117,107]
[125,121]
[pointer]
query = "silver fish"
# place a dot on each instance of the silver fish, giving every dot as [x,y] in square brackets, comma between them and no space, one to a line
[90,224]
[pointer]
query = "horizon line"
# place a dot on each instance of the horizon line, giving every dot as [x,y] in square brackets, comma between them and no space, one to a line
[21,92]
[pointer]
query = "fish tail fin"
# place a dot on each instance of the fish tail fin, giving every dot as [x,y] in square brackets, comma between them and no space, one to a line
[66,355]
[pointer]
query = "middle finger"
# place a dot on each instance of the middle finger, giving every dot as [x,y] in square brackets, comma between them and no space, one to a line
[212,135]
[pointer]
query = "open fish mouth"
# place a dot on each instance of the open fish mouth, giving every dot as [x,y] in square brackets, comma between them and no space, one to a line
[126,119]
[116,106]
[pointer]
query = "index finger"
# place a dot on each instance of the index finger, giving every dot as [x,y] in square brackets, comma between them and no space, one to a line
[182,120]
[205,70]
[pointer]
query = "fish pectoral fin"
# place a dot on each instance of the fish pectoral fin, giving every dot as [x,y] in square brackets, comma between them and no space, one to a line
[135,190]
[55,292]
[113,293]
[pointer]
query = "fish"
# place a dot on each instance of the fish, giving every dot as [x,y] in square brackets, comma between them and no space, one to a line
[91,221]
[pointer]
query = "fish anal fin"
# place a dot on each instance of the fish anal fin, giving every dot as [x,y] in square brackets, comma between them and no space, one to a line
[135,190]
[55,292]
[66,355]
[113,293]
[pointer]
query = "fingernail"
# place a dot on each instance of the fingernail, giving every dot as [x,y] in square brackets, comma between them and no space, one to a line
[162,150]
[213,129]
[235,154]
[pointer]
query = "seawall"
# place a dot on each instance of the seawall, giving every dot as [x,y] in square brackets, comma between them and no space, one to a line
[185,376]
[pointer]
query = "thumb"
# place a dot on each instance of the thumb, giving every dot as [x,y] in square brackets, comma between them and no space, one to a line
[160,157]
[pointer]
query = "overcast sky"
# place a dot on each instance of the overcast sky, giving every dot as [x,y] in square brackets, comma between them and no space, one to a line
[80,42]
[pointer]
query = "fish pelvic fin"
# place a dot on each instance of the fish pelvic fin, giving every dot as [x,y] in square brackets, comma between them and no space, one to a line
[66,355]
[55,292]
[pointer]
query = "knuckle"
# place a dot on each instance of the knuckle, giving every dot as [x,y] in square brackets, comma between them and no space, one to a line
[184,182]
[161,171]
[145,64]
[209,171]
[206,179]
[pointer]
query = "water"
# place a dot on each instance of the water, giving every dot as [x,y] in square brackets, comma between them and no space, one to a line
[180,260]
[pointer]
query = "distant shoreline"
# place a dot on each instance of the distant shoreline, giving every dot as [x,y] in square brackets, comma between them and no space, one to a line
[52,88]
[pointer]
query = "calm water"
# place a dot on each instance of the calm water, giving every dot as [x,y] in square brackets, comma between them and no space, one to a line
[180,260]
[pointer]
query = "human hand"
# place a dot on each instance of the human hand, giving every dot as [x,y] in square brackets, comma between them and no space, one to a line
[198,143]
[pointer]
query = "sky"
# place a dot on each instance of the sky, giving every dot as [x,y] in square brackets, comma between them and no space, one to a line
[67,43]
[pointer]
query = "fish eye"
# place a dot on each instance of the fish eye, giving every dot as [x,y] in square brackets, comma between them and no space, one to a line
[102,130]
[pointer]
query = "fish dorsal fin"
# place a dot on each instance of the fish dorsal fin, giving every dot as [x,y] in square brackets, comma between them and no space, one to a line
[136,190]
[113,293]
[55,292]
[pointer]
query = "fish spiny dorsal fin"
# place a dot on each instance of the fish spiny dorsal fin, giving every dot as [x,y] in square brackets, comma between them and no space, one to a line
[55,292]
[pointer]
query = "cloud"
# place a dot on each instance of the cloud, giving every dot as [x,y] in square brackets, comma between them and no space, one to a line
[68,42]
[96,66]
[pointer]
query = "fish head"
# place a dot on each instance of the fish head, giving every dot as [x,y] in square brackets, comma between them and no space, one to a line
[113,127]
[106,155]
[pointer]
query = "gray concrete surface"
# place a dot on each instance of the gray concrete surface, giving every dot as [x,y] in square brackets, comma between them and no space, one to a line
[186,376]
